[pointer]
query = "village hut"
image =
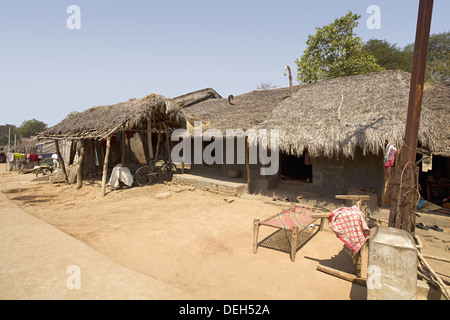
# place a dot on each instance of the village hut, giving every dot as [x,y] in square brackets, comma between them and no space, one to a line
[343,126]
[104,134]
[240,114]
[333,134]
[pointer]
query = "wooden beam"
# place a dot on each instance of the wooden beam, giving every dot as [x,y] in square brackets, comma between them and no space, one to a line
[322,215]
[80,163]
[353,197]
[105,165]
[149,137]
[343,275]
[61,161]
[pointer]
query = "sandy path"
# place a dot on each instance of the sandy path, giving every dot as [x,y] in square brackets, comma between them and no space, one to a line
[38,261]
[193,240]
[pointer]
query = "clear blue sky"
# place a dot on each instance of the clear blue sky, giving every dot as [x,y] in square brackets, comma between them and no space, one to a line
[134,48]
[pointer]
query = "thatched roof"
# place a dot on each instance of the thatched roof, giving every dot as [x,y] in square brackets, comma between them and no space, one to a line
[196,97]
[244,111]
[335,116]
[100,122]
[436,101]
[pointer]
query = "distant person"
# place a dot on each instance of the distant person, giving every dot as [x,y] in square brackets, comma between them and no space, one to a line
[438,188]
[55,160]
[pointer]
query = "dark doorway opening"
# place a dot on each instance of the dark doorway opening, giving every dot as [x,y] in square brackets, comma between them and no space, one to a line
[295,168]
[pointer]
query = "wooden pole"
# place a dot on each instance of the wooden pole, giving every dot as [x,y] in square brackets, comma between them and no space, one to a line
[61,161]
[80,164]
[247,164]
[343,275]
[123,144]
[255,234]
[404,189]
[443,288]
[167,142]
[8,150]
[149,138]
[105,165]
[158,145]
[294,243]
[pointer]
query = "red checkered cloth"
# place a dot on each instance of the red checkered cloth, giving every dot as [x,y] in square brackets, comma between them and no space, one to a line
[348,224]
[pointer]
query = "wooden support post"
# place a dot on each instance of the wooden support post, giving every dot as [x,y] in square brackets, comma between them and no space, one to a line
[105,165]
[8,164]
[167,142]
[124,137]
[61,161]
[255,235]
[80,163]
[149,137]
[403,201]
[294,243]
[158,145]
[247,164]
[364,261]
[168,149]
[322,224]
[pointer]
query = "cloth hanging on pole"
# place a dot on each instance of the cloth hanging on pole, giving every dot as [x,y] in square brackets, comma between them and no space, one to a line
[34,157]
[349,226]
[10,156]
[389,157]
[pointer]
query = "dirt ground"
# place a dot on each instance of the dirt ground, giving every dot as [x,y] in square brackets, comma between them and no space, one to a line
[198,242]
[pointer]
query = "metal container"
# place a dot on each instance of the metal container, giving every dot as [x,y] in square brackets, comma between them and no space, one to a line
[392,268]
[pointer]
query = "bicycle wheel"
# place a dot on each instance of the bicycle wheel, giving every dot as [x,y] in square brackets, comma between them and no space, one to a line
[43,171]
[144,176]
[167,171]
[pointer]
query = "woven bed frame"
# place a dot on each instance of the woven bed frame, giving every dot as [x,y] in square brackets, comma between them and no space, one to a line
[294,220]
[298,218]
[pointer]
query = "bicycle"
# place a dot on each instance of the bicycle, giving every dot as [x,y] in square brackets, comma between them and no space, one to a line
[46,169]
[148,174]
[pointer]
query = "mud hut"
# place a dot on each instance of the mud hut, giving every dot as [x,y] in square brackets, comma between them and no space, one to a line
[343,126]
[103,135]
[240,113]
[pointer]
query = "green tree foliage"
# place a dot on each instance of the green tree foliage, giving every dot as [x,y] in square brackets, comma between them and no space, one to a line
[4,132]
[335,51]
[438,61]
[30,128]
[389,56]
